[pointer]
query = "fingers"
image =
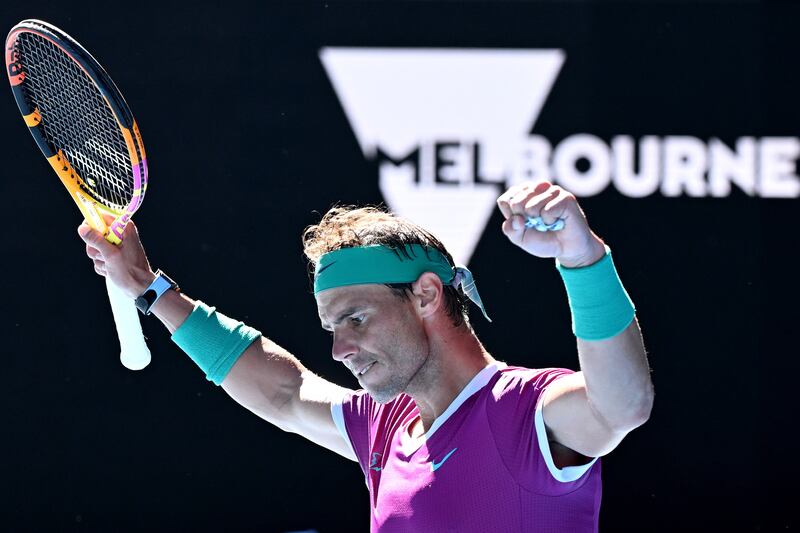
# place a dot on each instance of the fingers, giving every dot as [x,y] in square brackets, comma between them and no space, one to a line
[92,252]
[94,239]
[536,199]
[532,206]
[554,207]
[510,201]
[125,264]
[514,228]
[97,247]
[100,267]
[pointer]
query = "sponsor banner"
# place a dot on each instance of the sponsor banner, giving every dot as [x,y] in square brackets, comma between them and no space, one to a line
[450,129]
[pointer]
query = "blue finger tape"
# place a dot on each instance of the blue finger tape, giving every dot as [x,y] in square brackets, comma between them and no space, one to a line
[538,224]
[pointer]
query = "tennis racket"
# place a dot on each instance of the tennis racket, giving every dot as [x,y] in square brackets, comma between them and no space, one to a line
[84,128]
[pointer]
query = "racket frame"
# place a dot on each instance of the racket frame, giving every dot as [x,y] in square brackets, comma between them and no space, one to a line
[81,193]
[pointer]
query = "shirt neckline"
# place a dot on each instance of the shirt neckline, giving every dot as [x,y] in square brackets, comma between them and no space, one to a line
[479,381]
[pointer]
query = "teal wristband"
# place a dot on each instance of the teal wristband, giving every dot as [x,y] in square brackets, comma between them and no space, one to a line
[213,341]
[599,304]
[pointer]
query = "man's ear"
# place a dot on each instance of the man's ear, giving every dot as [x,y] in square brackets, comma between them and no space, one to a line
[428,294]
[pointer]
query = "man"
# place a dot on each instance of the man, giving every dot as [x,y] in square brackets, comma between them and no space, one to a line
[448,438]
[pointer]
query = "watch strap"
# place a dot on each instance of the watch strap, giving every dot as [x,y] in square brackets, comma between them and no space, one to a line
[160,285]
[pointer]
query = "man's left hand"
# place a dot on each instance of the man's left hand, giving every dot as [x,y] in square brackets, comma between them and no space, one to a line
[574,245]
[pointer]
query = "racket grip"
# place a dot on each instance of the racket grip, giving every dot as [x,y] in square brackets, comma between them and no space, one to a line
[134,353]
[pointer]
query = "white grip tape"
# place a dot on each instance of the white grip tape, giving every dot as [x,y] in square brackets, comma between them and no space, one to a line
[134,353]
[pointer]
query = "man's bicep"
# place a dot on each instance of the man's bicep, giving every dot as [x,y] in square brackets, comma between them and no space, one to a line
[572,422]
[273,384]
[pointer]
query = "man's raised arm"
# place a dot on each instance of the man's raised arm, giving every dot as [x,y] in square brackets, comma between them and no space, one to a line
[253,370]
[590,411]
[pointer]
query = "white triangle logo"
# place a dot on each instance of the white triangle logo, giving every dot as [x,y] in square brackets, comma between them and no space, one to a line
[437,106]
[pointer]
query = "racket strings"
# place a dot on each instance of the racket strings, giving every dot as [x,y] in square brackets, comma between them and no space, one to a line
[77,120]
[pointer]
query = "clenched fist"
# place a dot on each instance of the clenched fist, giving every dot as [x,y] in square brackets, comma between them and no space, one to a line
[575,245]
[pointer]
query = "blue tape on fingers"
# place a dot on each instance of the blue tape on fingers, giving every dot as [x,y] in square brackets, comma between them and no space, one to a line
[538,224]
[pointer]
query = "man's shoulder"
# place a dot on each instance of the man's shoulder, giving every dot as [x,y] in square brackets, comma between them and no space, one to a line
[521,373]
[519,380]
[360,401]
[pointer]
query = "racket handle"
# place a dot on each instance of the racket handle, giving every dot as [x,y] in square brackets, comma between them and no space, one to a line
[134,353]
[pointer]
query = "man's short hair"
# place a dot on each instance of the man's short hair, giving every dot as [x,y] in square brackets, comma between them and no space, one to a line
[350,226]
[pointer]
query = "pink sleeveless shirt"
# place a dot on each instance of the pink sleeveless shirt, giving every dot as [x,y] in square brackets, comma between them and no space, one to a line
[484,465]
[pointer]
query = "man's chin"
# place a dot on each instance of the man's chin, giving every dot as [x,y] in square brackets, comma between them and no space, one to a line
[382,396]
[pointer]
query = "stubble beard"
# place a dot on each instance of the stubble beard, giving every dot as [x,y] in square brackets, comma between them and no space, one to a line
[409,380]
[388,392]
[402,380]
[406,369]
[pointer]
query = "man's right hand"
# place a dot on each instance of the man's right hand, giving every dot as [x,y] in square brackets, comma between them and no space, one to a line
[126,264]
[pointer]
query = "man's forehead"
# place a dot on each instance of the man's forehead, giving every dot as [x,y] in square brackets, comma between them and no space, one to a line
[333,301]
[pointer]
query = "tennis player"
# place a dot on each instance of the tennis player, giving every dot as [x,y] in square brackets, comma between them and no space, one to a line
[448,437]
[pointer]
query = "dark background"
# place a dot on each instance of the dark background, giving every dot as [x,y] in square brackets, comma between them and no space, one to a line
[246,140]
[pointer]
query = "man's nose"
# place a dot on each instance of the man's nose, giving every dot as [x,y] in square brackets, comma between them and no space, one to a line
[343,346]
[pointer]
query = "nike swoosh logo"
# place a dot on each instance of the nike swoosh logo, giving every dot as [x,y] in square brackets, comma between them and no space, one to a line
[435,466]
[326,267]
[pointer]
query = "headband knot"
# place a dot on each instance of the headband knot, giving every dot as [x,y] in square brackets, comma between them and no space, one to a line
[464,278]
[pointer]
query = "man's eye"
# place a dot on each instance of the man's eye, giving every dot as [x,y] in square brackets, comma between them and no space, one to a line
[357,319]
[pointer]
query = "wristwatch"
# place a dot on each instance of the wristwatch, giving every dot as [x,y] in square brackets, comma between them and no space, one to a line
[150,296]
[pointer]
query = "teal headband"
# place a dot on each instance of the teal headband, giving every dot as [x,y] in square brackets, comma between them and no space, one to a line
[381,264]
